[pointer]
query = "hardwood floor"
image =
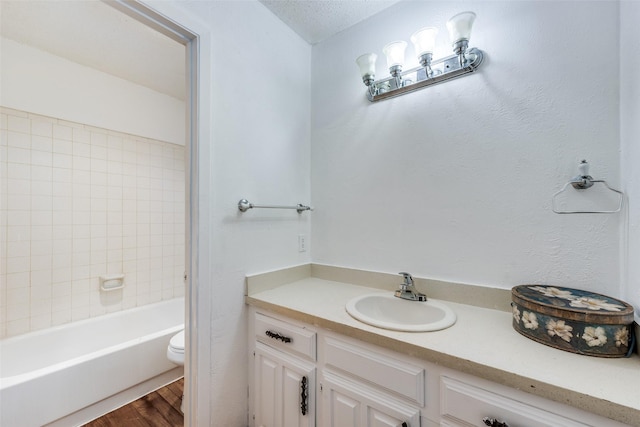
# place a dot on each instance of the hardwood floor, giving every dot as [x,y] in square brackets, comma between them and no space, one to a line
[158,409]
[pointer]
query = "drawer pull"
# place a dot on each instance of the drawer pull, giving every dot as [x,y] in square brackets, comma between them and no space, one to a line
[492,422]
[304,395]
[277,336]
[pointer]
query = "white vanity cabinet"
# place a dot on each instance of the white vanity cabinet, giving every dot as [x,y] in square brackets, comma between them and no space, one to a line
[363,386]
[350,383]
[284,374]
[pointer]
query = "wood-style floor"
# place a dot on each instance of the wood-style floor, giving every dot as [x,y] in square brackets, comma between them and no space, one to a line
[158,409]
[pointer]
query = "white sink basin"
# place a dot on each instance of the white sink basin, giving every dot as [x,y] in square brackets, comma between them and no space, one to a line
[389,312]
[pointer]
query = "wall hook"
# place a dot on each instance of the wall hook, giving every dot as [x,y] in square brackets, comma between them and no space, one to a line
[583,181]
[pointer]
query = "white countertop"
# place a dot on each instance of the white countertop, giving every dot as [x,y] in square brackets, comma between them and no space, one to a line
[482,342]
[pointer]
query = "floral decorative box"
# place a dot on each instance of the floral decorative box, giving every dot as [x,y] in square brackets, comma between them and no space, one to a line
[574,320]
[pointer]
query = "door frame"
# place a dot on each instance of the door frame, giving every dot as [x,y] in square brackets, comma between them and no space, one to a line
[170,20]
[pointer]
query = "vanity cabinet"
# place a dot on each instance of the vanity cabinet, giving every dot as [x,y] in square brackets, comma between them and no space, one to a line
[306,376]
[284,374]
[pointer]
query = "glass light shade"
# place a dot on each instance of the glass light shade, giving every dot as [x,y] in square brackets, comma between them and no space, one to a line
[424,40]
[367,64]
[459,26]
[395,53]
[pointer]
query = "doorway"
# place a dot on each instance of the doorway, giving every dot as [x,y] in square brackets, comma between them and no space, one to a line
[151,19]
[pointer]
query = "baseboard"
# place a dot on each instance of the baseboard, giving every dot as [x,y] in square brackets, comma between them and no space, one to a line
[116,401]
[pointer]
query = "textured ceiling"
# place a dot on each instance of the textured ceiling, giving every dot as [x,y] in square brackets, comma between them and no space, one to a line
[94,34]
[316,20]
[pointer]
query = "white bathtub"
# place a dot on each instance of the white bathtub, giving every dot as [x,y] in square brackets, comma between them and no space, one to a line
[52,374]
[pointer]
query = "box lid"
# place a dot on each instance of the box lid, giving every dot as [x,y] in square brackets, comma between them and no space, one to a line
[573,304]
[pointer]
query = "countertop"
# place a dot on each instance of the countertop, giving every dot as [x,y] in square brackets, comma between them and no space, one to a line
[482,342]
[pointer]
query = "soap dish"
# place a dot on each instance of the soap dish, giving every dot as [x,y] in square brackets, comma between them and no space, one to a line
[111,282]
[574,320]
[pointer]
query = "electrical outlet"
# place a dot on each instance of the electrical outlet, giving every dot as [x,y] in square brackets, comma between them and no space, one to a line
[302,243]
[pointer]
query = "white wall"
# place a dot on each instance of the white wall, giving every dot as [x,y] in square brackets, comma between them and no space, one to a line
[630,138]
[455,181]
[39,82]
[258,79]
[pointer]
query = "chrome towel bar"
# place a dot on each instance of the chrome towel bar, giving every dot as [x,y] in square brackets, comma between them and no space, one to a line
[244,205]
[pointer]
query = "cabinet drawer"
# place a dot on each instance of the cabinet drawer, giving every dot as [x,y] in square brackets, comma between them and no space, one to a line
[463,404]
[292,338]
[393,374]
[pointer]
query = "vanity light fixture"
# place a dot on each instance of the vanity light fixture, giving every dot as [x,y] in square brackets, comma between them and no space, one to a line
[459,27]
[367,64]
[424,41]
[394,52]
[462,62]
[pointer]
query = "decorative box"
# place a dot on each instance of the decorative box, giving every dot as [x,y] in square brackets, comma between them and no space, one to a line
[574,320]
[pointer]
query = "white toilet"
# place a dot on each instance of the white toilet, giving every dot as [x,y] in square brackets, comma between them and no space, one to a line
[175,349]
[175,353]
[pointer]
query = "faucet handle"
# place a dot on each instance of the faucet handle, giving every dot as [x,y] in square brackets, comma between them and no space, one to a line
[408,279]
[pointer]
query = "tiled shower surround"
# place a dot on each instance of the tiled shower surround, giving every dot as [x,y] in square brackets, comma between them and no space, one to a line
[79,202]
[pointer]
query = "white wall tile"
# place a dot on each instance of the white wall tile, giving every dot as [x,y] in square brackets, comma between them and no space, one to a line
[60,317]
[83,202]
[18,155]
[18,280]
[18,218]
[18,296]
[62,175]
[41,158]
[43,174]
[98,165]
[61,261]
[3,121]
[41,127]
[61,276]
[18,171]
[98,152]
[19,124]
[41,143]
[62,161]
[62,132]
[63,246]
[18,233]
[81,163]
[41,232]
[61,146]
[18,140]
[18,264]
[19,249]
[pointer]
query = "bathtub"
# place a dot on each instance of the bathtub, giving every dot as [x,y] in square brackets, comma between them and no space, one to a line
[72,373]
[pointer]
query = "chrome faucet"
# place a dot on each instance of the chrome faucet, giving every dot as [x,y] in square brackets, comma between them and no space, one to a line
[408,290]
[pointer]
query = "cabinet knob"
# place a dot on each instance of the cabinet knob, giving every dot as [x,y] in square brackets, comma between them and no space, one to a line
[492,422]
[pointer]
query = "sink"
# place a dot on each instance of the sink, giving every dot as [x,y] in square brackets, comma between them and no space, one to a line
[389,312]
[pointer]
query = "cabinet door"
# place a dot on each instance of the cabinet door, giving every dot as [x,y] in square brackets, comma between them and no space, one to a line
[284,389]
[347,403]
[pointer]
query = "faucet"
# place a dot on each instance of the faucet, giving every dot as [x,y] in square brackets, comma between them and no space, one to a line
[408,291]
